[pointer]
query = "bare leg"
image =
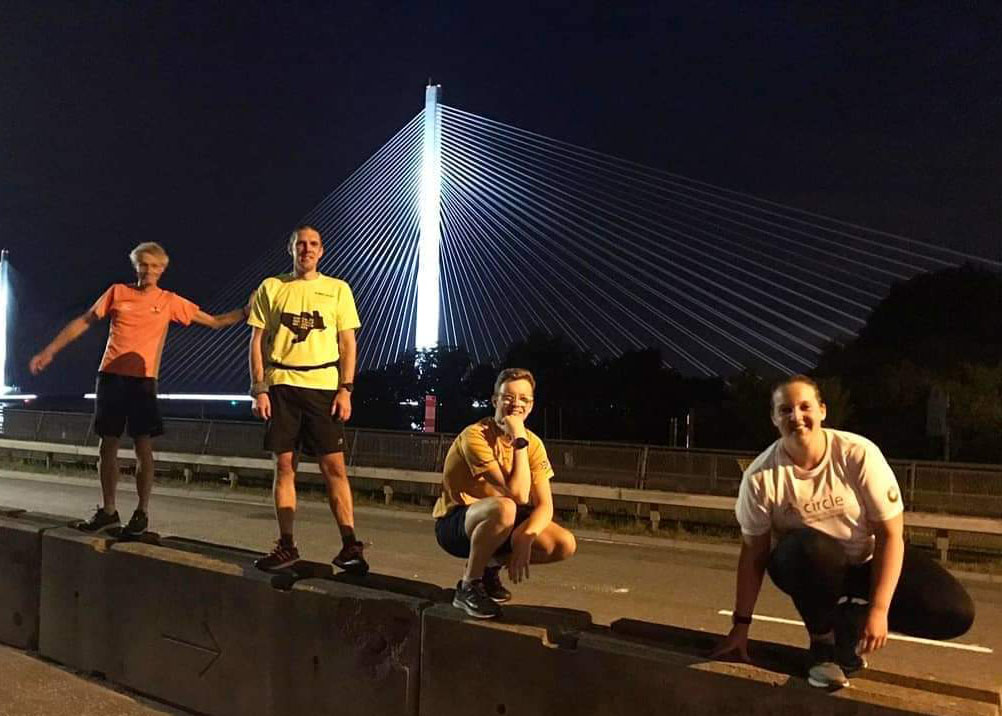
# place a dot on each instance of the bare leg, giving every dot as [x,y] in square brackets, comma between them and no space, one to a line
[144,470]
[553,544]
[284,492]
[335,474]
[108,469]
[488,523]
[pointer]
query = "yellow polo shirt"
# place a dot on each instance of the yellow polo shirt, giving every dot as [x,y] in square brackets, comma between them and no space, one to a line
[471,454]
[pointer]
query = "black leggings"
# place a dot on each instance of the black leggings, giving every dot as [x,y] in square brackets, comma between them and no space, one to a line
[812,568]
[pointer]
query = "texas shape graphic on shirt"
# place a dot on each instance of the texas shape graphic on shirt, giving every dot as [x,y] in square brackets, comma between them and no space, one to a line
[302,323]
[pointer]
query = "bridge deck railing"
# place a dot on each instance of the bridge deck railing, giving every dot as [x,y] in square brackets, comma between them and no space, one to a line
[959,488]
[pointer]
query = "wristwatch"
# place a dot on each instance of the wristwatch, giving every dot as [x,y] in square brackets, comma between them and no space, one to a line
[519,443]
[739,619]
[258,387]
[347,386]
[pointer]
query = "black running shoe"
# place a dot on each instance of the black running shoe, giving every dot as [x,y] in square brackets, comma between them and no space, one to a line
[137,524]
[473,600]
[281,557]
[824,671]
[850,619]
[492,585]
[350,559]
[100,522]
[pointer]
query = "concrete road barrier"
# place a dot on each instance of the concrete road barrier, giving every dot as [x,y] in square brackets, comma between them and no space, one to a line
[483,668]
[20,570]
[200,627]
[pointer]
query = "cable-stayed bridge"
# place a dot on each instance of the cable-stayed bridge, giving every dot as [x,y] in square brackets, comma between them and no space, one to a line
[465,231]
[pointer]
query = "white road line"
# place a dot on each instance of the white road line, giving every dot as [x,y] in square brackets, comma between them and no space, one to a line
[899,637]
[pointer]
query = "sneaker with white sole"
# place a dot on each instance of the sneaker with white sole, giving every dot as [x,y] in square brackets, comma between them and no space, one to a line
[474,600]
[824,671]
[100,522]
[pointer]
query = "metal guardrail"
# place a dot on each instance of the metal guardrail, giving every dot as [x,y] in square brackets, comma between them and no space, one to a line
[960,488]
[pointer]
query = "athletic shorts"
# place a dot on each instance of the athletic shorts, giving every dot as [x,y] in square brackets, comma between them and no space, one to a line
[451,531]
[126,400]
[301,418]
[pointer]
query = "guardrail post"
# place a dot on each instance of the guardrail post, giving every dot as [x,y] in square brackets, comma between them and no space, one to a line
[439,457]
[912,469]
[187,475]
[233,478]
[582,509]
[642,468]
[655,519]
[387,494]
[38,425]
[205,441]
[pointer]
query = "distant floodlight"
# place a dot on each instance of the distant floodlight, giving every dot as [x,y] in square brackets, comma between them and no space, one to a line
[426,330]
[4,307]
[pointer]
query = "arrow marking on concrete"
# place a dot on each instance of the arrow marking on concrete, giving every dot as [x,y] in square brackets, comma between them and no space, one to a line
[899,637]
[214,649]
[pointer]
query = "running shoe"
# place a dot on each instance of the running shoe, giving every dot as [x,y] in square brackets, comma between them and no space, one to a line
[473,600]
[100,522]
[492,585]
[137,524]
[824,671]
[281,557]
[350,559]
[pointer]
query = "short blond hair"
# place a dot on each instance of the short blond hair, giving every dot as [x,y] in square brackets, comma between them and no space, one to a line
[148,247]
[510,374]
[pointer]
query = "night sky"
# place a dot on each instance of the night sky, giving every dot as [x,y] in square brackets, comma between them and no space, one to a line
[213,127]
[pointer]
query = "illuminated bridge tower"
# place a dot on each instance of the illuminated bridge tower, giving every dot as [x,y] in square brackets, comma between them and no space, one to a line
[426,333]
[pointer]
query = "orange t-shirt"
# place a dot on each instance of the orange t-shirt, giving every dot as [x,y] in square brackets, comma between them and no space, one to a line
[139,322]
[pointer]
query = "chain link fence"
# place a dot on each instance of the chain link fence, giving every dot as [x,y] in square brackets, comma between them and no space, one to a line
[959,488]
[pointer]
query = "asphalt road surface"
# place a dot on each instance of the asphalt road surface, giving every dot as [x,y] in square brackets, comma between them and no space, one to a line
[682,583]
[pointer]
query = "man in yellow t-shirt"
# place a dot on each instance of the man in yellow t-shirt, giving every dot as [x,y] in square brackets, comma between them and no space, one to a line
[496,505]
[302,362]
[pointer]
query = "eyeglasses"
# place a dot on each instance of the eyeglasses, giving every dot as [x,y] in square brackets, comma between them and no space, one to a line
[512,399]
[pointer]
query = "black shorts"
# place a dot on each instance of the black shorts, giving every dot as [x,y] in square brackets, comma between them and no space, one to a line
[450,531]
[125,399]
[301,418]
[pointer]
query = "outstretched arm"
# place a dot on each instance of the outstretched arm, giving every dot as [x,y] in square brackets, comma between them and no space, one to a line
[751,569]
[71,331]
[223,320]
[525,534]
[888,556]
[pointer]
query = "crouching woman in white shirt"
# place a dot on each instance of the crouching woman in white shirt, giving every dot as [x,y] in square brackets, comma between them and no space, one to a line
[821,510]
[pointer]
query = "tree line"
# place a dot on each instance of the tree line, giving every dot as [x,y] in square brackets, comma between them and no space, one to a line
[934,338]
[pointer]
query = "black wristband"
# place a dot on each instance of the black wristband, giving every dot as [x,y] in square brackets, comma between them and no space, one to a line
[739,619]
[347,386]
[520,443]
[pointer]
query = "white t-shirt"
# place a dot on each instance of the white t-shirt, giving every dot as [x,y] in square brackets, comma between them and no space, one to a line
[852,487]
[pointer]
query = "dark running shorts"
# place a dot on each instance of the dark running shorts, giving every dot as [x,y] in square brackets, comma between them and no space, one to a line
[451,531]
[126,400]
[301,418]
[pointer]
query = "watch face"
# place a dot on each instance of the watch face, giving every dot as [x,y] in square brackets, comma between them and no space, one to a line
[520,443]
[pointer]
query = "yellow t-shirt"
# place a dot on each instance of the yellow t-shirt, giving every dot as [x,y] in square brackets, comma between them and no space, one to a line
[301,319]
[471,454]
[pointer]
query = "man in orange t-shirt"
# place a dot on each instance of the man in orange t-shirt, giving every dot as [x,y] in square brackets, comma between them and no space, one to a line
[140,314]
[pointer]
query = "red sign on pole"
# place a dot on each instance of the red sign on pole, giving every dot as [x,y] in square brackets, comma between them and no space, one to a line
[430,403]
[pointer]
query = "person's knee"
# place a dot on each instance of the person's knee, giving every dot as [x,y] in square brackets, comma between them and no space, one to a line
[333,468]
[503,512]
[285,468]
[108,448]
[955,619]
[565,546]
